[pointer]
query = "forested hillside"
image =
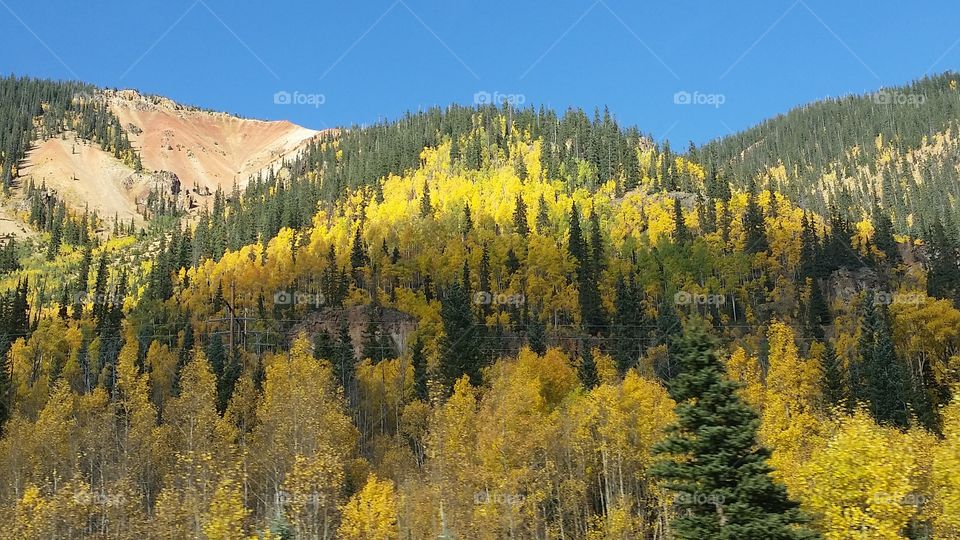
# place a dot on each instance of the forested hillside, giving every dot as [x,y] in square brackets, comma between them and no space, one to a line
[497,323]
[895,148]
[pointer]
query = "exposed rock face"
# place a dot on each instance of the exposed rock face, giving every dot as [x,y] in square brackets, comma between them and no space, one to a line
[397,324]
[204,149]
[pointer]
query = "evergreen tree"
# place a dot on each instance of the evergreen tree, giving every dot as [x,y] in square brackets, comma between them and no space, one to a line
[358,256]
[419,363]
[467,225]
[680,233]
[833,382]
[884,387]
[587,370]
[883,236]
[543,219]
[344,365]
[520,218]
[628,322]
[943,272]
[462,347]
[324,347]
[536,334]
[753,225]
[426,205]
[718,468]
[591,310]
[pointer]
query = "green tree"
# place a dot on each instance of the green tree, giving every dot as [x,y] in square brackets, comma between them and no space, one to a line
[520,217]
[587,370]
[419,362]
[462,351]
[716,467]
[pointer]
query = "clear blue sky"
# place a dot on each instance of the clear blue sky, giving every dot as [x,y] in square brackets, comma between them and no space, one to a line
[378,58]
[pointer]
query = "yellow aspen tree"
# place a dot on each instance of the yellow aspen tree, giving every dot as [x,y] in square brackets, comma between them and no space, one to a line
[945,481]
[863,482]
[745,369]
[161,366]
[226,517]
[451,450]
[138,418]
[300,414]
[371,514]
[789,423]
[200,448]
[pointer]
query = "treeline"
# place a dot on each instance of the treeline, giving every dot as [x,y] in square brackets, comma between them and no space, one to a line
[586,151]
[35,108]
[856,153]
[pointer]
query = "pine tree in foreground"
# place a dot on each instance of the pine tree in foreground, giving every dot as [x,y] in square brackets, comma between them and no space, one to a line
[718,470]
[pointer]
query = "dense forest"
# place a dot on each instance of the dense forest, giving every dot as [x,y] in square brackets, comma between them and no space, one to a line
[895,148]
[498,323]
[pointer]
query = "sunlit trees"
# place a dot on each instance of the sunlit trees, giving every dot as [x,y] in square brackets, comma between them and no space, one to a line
[720,474]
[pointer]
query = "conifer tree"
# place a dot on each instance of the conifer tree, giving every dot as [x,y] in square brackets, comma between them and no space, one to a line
[834,378]
[344,366]
[543,219]
[462,348]
[680,233]
[717,468]
[587,369]
[883,236]
[628,323]
[426,205]
[753,225]
[883,388]
[520,217]
[324,347]
[419,363]
[536,334]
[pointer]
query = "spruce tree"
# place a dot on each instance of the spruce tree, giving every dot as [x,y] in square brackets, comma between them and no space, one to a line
[462,351]
[344,365]
[537,334]
[587,369]
[884,386]
[753,225]
[716,465]
[680,233]
[419,364]
[883,236]
[520,217]
[426,205]
[543,219]
[324,348]
[628,323]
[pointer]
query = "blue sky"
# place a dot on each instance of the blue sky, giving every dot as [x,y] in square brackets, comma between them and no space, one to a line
[738,62]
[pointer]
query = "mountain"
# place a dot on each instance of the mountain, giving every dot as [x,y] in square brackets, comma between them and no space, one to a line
[895,147]
[476,322]
[200,151]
